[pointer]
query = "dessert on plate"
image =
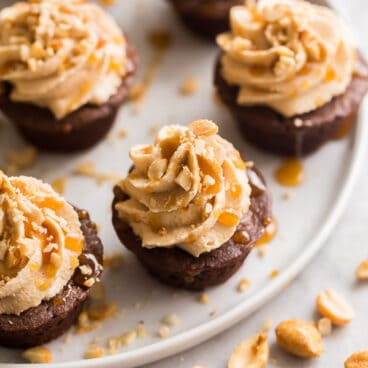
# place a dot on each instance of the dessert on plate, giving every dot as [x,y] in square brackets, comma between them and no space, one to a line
[207,18]
[190,208]
[290,74]
[50,256]
[66,68]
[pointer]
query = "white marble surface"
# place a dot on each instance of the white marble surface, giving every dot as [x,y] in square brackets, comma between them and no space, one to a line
[333,267]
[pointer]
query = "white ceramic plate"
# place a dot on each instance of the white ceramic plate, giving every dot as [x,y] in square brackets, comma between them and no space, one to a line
[305,221]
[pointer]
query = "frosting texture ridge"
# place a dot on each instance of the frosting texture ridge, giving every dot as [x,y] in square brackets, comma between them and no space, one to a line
[40,242]
[291,55]
[189,189]
[61,54]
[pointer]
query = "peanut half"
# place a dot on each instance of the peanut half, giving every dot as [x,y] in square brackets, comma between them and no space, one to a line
[357,360]
[253,352]
[333,306]
[362,271]
[300,338]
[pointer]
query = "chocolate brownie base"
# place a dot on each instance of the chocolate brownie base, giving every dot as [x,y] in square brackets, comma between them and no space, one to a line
[52,318]
[207,18]
[180,269]
[301,134]
[77,131]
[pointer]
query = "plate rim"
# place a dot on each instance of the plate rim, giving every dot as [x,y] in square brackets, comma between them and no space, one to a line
[207,330]
[197,335]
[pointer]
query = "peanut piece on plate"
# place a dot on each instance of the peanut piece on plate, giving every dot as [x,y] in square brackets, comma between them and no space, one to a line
[37,355]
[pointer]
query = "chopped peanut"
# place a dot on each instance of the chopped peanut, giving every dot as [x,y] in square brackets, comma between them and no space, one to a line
[253,352]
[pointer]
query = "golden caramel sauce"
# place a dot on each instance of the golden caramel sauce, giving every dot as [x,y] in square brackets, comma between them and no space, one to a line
[346,127]
[271,228]
[241,237]
[228,219]
[290,173]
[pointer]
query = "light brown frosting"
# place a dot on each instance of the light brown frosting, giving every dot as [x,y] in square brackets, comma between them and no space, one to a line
[189,189]
[61,54]
[291,55]
[40,241]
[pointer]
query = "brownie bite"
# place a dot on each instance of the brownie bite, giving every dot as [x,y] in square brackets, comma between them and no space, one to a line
[190,209]
[206,18]
[50,256]
[66,77]
[290,75]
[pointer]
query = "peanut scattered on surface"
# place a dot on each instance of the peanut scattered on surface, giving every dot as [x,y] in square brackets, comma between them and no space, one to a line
[333,306]
[357,360]
[300,338]
[253,352]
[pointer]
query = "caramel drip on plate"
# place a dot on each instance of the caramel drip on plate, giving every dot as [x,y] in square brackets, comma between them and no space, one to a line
[346,127]
[271,229]
[290,173]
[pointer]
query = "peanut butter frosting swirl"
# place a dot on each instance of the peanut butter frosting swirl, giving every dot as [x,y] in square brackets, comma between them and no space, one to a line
[40,242]
[293,56]
[61,54]
[189,189]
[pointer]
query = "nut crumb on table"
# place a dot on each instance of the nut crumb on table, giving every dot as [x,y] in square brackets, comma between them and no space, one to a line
[253,352]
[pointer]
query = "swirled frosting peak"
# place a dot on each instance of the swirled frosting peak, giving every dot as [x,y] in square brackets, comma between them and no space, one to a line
[40,242]
[61,54]
[189,189]
[291,55]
